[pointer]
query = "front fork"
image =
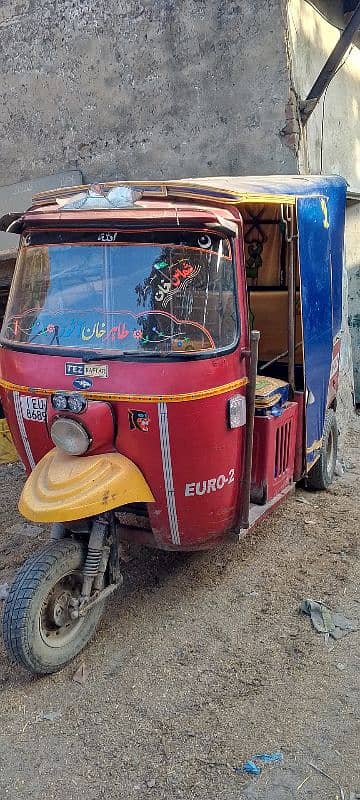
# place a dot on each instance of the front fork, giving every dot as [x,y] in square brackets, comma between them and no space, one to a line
[102,559]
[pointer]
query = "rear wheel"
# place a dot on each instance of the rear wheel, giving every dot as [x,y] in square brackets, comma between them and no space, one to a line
[322,473]
[38,629]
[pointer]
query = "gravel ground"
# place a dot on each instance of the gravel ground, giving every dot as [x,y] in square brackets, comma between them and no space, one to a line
[201,662]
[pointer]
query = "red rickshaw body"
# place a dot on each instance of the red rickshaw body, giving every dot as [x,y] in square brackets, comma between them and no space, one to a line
[209,456]
[199,436]
[171,418]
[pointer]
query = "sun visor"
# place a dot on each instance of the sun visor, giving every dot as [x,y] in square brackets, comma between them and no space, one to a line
[225,224]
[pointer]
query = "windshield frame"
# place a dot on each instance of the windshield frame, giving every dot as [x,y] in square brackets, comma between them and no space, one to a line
[89,354]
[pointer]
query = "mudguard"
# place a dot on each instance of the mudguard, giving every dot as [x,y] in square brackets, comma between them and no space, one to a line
[62,488]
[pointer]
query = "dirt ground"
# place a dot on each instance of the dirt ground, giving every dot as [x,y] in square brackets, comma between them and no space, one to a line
[202,661]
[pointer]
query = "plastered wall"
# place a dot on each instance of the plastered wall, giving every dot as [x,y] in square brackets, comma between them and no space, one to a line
[143,89]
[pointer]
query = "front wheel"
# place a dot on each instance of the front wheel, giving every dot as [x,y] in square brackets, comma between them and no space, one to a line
[322,473]
[38,630]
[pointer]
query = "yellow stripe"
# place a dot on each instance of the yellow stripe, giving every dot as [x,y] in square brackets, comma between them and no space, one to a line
[133,398]
[311,464]
[243,197]
[315,446]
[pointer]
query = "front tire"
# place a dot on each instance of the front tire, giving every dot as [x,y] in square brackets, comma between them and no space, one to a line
[322,473]
[38,631]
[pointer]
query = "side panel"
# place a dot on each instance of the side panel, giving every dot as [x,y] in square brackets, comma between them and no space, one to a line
[193,462]
[316,298]
[336,218]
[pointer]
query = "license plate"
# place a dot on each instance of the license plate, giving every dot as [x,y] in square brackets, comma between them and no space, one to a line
[33,408]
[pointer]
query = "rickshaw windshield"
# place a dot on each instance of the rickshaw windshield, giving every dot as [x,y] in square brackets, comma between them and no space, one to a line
[160,294]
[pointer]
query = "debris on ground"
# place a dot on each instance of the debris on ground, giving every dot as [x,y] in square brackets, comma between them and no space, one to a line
[270,758]
[332,780]
[303,783]
[81,675]
[326,621]
[49,716]
[251,768]
[4,591]
[339,469]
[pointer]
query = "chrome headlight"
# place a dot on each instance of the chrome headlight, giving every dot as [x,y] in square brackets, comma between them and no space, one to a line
[59,402]
[70,436]
[76,403]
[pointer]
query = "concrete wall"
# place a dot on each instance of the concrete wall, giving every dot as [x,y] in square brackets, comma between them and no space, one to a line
[151,88]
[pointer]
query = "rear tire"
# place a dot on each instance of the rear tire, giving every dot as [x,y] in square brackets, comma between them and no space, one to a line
[322,473]
[37,630]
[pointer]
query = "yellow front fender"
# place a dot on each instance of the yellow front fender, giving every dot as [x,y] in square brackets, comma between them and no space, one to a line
[63,488]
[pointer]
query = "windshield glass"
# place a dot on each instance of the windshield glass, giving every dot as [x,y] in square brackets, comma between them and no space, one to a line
[92,292]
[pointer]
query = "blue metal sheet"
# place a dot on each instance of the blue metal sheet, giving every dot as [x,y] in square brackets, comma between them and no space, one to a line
[336,215]
[317,312]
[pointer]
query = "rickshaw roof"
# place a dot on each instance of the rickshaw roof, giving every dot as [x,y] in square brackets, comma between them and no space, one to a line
[220,189]
[267,188]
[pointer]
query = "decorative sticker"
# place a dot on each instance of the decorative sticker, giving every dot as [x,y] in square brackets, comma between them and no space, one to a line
[141,327]
[209,485]
[82,383]
[139,420]
[33,408]
[324,209]
[88,370]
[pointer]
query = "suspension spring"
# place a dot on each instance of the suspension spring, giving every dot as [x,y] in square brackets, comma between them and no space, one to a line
[92,562]
[94,554]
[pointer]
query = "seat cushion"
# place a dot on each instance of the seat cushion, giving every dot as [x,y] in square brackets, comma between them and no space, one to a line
[270,392]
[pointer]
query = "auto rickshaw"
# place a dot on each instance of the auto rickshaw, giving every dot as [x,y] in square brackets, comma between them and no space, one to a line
[169,367]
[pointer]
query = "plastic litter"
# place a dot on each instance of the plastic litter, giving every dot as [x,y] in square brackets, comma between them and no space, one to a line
[81,675]
[50,716]
[96,197]
[270,758]
[251,768]
[331,623]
